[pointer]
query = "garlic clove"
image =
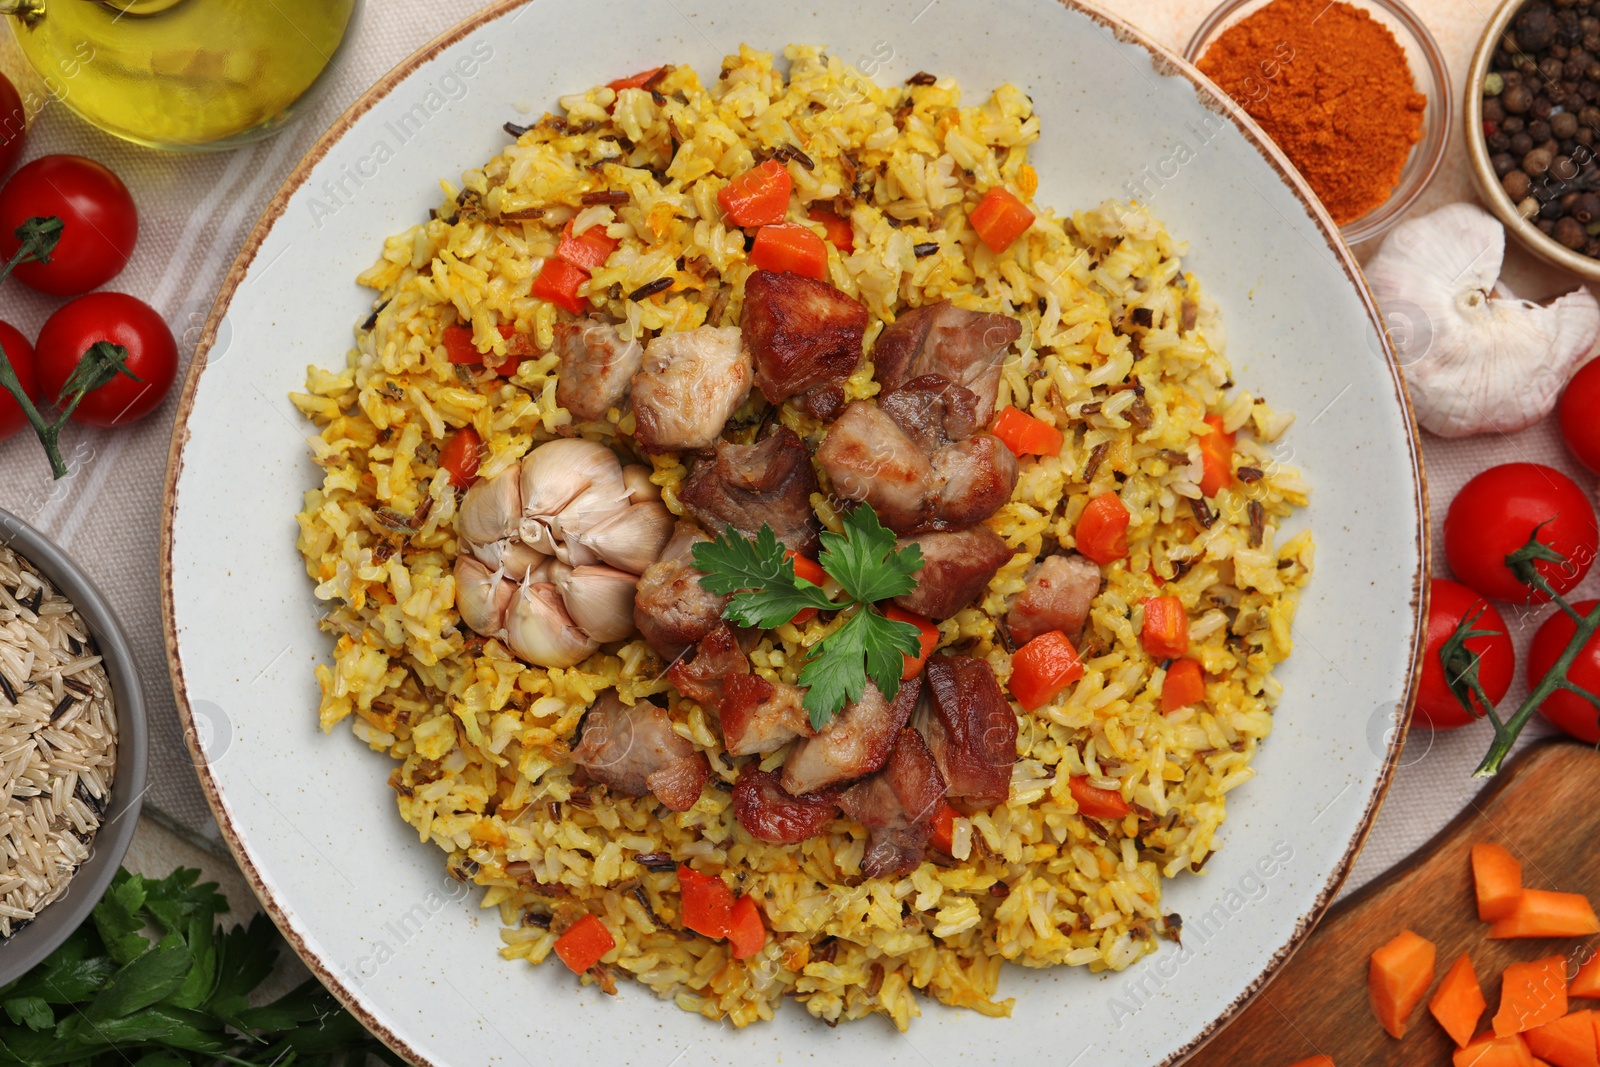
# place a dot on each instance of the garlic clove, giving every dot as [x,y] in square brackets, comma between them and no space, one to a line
[600,600]
[482,596]
[535,533]
[539,630]
[558,472]
[636,476]
[1476,358]
[519,560]
[512,557]
[491,509]
[587,510]
[631,539]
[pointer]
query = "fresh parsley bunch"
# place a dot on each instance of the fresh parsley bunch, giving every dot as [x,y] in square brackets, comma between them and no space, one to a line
[110,995]
[865,562]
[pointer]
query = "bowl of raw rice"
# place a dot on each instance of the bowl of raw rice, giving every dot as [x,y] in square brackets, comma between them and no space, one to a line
[72,742]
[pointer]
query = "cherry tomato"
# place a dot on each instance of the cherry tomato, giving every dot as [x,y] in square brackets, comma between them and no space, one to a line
[1451,602]
[123,320]
[13,124]
[1579,405]
[20,353]
[1496,513]
[1568,710]
[99,222]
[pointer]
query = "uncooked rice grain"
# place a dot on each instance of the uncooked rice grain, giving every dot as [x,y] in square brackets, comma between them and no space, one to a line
[58,742]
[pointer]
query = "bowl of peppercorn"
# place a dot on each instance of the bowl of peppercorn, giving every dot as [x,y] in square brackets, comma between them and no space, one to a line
[1533,127]
[1355,92]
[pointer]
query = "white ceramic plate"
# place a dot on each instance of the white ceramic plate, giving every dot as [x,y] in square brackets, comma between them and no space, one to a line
[311,818]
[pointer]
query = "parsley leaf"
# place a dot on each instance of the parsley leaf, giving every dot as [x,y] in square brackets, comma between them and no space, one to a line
[834,674]
[182,1001]
[864,560]
[758,571]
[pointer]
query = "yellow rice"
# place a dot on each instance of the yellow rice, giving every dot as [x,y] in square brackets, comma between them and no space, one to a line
[481,740]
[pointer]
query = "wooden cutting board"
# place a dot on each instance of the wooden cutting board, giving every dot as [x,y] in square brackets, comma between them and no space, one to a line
[1544,807]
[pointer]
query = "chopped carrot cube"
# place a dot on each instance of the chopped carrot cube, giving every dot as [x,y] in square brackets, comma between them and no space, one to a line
[758,197]
[747,933]
[1497,877]
[1026,435]
[1458,1003]
[1491,1051]
[836,227]
[1398,978]
[588,251]
[1102,531]
[635,81]
[1165,634]
[1531,994]
[707,902]
[1566,1042]
[1586,983]
[584,943]
[1216,457]
[1042,668]
[942,833]
[1095,802]
[1540,913]
[1185,685]
[1000,218]
[788,246]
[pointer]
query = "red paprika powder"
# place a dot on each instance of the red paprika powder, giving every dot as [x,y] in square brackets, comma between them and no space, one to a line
[1331,85]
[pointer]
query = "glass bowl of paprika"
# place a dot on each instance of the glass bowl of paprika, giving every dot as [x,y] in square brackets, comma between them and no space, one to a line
[1370,155]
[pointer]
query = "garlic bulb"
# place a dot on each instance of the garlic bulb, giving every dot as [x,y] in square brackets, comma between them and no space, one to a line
[575,529]
[1475,357]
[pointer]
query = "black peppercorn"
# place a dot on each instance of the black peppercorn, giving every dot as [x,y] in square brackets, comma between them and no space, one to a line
[1535,28]
[1546,226]
[1493,109]
[1551,68]
[1587,209]
[1503,163]
[1570,232]
[1539,130]
[1516,184]
[1516,123]
[1542,107]
[1517,99]
[1521,144]
[1563,125]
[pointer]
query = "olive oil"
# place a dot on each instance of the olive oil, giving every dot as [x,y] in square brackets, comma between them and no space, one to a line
[180,73]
